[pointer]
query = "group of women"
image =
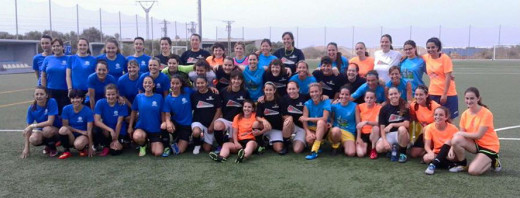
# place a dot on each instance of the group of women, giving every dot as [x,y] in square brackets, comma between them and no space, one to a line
[247,103]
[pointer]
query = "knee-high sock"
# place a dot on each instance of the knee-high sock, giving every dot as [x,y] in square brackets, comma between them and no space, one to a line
[219,137]
[260,140]
[441,157]
[165,138]
[316,146]
[65,142]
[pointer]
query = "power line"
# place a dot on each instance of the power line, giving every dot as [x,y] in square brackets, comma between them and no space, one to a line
[165,27]
[228,29]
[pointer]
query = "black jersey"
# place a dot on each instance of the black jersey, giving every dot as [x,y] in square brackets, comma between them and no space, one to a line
[272,111]
[355,85]
[204,107]
[231,102]
[163,59]
[294,107]
[330,84]
[190,57]
[223,79]
[391,114]
[290,58]
[279,81]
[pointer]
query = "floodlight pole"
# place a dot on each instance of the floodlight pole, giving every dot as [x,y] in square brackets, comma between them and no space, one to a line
[16,16]
[147,11]
[50,18]
[228,29]
[200,18]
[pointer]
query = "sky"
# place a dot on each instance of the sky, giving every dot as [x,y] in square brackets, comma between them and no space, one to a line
[318,22]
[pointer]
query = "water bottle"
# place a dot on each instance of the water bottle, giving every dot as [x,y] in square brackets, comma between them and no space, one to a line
[394,156]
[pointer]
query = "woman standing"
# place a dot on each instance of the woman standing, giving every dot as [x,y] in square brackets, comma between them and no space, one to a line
[253,77]
[339,62]
[412,66]
[364,62]
[196,53]
[240,57]
[386,58]
[45,44]
[139,55]
[161,81]
[265,57]
[289,55]
[115,60]
[396,80]
[127,84]
[54,74]
[217,58]
[80,66]
[166,45]
[329,80]
[303,78]
[97,82]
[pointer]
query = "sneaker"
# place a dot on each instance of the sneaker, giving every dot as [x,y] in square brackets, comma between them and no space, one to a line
[458,168]
[53,152]
[83,153]
[241,154]
[498,165]
[65,155]
[373,154]
[402,158]
[45,150]
[142,151]
[283,151]
[312,156]
[196,150]
[430,170]
[261,150]
[215,157]
[166,152]
[104,152]
[175,149]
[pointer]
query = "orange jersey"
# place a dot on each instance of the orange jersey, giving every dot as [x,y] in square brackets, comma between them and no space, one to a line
[437,137]
[214,62]
[368,114]
[364,66]
[472,122]
[423,114]
[436,70]
[244,126]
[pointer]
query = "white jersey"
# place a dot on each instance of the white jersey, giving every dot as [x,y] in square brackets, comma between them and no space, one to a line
[383,62]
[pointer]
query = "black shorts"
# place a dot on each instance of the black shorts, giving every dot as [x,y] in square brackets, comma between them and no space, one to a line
[419,142]
[243,143]
[182,132]
[154,137]
[365,138]
[61,97]
[491,154]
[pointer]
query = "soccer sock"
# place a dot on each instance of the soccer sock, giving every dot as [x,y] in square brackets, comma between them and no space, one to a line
[260,140]
[402,150]
[441,157]
[219,137]
[316,146]
[165,138]
[286,142]
[51,142]
[65,142]
[197,141]
[335,145]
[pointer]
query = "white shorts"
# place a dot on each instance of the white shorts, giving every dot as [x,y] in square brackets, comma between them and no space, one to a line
[391,138]
[274,135]
[299,134]
[208,137]
[229,127]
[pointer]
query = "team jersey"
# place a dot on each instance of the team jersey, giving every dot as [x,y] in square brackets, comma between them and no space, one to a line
[163,60]
[78,120]
[265,60]
[190,57]
[210,77]
[279,81]
[383,62]
[364,66]
[98,86]
[183,75]
[401,87]
[149,109]
[471,123]
[179,108]
[342,68]
[37,65]
[273,111]
[81,67]
[254,82]
[204,107]
[117,66]
[142,61]
[437,137]
[360,93]
[110,114]
[329,84]
[244,61]
[303,84]
[56,70]
[355,86]
[423,114]
[391,114]
[413,70]
[215,61]
[294,108]
[223,79]
[368,114]
[316,110]
[436,69]
[162,82]
[291,58]
[231,102]
[345,116]
[128,88]
[244,126]
[41,114]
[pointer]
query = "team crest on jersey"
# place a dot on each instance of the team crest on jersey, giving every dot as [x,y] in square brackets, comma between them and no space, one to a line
[331,83]
[380,62]
[270,112]
[283,79]
[276,106]
[223,81]
[395,118]
[300,104]
[64,62]
[210,98]
[325,86]
[116,113]
[45,112]
[191,60]
[202,104]
[279,85]
[342,122]
[118,66]
[87,62]
[294,110]
[158,85]
[143,63]
[154,103]
[241,98]
[292,56]
[184,101]
[80,119]
[232,103]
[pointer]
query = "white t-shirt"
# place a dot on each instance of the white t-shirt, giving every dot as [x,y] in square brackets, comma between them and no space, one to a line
[383,62]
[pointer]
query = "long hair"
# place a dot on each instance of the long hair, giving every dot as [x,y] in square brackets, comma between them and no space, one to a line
[447,112]
[215,46]
[477,94]
[236,73]
[279,63]
[183,83]
[364,46]
[34,104]
[390,39]
[402,103]
[88,45]
[114,41]
[428,99]
[338,60]
[241,114]
[411,43]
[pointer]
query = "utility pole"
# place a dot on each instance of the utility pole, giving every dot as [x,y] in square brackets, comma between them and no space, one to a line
[100,26]
[193,30]
[200,18]
[50,18]
[136,26]
[147,11]
[228,29]
[16,16]
[77,20]
[165,27]
[120,32]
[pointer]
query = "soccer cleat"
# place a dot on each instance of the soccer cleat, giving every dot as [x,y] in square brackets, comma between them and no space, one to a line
[458,168]
[53,152]
[373,154]
[104,152]
[215,157]
[498,165]
[283,151]
[241,154]
[430,170]
[312,156]
[45,150]
[83,153]
[166,152]
[142,151]
[65,155]
[175,149]
[196,150]
[402,158]
[261,150]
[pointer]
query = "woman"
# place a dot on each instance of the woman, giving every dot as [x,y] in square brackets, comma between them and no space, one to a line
[396,80]
[437,140]
[206,109]
[127,84]
[78,121]
[139,55]
[339,62]
[364,62]
[354,80]
[253,77]
[161,81]
[41,123]
[303,78]
[173,68]
[386,57]
[109,117]
[223,73]
[265,57]
[194,54]
[277,74]
[243,136]
[294,108]
[394,123]
[240,57]
[115,60]
[373,85]
[329,80]
[412,66]
[177,117]
[368,125]
[345,116]
[289,55]
[97,82]
[54,74]
[442,84]
[477,135]
[217,58]
[148,127]
[45,43]
[315,116]
[202,68]
[80,66]
[271,115]
[421,111]
[165,45]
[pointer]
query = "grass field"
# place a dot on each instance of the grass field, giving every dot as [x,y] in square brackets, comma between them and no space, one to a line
[269,175]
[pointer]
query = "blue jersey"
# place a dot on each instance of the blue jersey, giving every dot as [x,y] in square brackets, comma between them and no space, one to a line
[37,65]
[265,60]
[81,68]
[41,114]
[345,116]
[254,82]
[413,70]
[117,66]
[162,83]
[360,92]
[401,87]
[179,108]
[110,114]
[303,84]
[142,61]
[98,86]
[149,108]
[343,66]
[56,71]
[128,88]
[77,120]
[316,110]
